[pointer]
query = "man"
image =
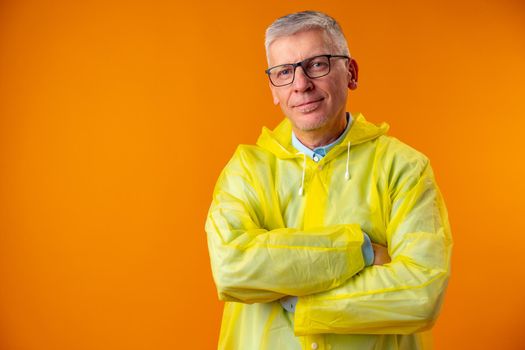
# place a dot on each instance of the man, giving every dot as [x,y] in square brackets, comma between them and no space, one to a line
[293,217]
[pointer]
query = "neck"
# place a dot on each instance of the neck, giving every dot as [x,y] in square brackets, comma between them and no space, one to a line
[320,137]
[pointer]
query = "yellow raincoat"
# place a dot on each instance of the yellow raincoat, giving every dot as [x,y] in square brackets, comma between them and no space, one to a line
[268,239]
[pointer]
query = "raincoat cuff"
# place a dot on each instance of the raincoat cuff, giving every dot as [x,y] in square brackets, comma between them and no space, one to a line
[301,317]
[368,251]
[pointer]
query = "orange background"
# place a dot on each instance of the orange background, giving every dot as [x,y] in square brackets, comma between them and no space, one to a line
[117,117]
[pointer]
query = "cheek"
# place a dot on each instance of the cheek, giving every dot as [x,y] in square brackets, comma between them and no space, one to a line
[339,90]
[283,99]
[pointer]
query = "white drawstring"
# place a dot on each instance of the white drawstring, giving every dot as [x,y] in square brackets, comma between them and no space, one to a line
[347,174]
[301,189]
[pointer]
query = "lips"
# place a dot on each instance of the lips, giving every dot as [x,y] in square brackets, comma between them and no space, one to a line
[304,104]
[308,106]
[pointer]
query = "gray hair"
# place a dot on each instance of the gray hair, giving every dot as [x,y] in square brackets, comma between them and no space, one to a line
[303,21]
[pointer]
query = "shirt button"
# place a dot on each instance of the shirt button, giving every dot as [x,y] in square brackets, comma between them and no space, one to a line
[316,159]
[315,346]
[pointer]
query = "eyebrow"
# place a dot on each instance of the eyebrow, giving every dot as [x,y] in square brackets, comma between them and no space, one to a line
[314,55]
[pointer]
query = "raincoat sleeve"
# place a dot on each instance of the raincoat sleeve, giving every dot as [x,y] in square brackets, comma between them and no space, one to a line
[405,295]
[251,263]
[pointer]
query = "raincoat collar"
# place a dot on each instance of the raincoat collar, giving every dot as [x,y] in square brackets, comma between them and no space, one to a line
[279,140]
[322,151]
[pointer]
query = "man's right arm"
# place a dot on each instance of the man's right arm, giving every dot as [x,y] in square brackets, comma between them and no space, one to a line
[405,295]
[253,264]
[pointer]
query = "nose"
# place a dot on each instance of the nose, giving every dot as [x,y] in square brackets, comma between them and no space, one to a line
[301,81]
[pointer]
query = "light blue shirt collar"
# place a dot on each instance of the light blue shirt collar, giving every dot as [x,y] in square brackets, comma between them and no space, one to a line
[319,152]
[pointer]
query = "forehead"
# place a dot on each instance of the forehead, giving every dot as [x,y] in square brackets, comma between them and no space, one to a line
[299,46]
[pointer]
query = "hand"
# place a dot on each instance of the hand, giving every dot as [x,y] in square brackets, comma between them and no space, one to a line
[381,256]
[288,303]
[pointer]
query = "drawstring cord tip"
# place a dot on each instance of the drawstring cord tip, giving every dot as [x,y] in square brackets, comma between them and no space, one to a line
[347,173]
[301,189]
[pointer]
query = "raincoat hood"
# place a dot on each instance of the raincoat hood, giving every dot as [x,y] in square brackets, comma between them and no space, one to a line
[279,140]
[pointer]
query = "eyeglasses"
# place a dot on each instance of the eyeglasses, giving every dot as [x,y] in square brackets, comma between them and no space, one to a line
[313,67]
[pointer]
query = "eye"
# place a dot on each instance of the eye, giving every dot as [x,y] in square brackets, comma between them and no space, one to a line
[283,72]
[318,64]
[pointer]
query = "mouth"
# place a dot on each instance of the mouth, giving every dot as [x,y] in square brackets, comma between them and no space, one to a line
[309,106]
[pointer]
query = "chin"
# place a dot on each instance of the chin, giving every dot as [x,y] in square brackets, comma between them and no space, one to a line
[309,123]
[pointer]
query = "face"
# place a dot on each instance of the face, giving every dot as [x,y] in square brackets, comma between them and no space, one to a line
[312,104]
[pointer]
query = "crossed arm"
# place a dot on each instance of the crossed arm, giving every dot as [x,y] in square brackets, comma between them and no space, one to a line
[320,266]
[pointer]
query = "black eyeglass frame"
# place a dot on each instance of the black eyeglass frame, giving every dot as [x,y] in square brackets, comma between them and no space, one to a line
[301,64]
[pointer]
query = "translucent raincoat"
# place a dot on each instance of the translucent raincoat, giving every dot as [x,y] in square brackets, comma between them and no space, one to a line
[281,224]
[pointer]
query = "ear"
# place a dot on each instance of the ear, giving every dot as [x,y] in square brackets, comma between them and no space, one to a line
[353,71]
